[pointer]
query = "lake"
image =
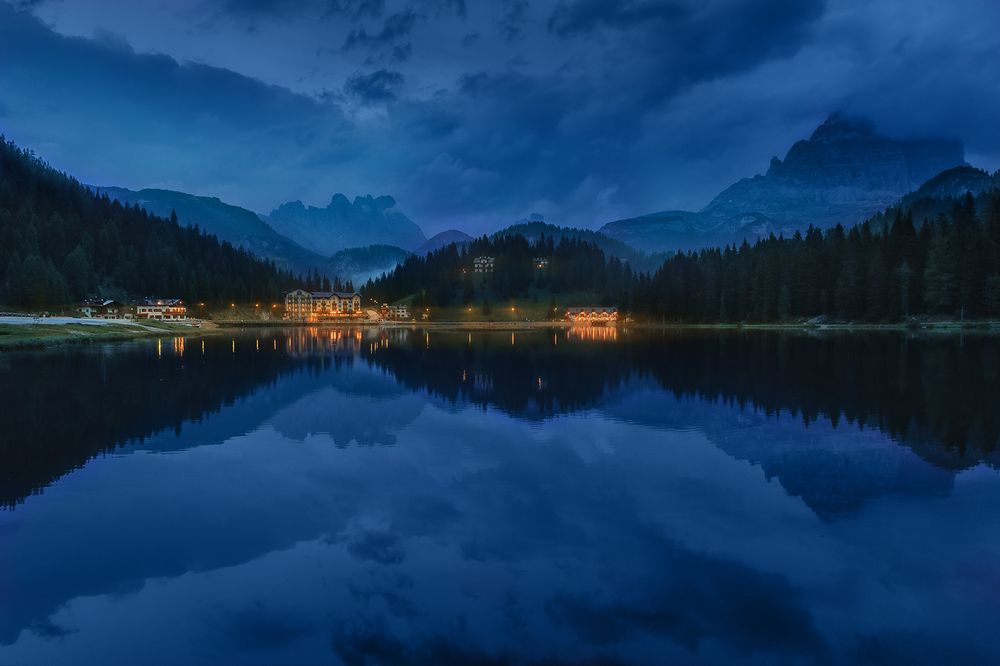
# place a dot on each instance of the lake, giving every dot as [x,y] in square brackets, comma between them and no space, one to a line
[598,496]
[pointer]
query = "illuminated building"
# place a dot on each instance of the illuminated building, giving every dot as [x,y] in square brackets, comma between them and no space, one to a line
[593,314]
[483,264]
[166,309]
[394,312]
[315,306]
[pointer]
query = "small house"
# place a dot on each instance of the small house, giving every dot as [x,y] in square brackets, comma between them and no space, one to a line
[103,308]
[162,309]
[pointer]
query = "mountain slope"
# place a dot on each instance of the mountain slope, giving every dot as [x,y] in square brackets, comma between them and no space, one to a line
[239,226]
[954,183]
[844,173]
[443,239]
[344,224]
[60,242]
[533,230]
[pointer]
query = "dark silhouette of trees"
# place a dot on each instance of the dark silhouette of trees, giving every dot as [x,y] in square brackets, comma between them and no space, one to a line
[446,276]
[59,242]
[884,270]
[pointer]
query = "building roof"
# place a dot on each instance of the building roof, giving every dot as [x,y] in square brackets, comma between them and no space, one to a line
[99,302]
[593,308]
[162,301]
[327,294]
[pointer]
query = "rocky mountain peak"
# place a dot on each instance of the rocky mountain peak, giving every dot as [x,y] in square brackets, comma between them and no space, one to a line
[367,220]
[848,152]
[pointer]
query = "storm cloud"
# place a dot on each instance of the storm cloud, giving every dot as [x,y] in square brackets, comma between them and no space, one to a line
[379,86]
[477,115]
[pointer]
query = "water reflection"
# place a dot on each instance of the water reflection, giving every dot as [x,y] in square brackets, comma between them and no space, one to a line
[415,496]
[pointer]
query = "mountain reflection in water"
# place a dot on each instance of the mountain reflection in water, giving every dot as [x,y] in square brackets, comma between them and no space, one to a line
[537,496]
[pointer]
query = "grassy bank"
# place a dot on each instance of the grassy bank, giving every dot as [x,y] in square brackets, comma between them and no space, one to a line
[24,336]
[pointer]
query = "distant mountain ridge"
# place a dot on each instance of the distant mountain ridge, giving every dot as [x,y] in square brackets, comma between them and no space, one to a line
[535,228]
[239,226]
[443,239]
[844,173]
[345,224]
[955,183]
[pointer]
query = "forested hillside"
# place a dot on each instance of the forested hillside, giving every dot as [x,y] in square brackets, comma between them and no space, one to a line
[883,270]
[947,265]
[59,242]
[446,277]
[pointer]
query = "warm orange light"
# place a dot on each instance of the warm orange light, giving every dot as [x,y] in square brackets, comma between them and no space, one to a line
[256,305]
[232,305]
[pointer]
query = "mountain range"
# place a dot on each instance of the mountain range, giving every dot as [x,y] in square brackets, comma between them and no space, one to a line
[345,224]
[842,174]
[239,226]
[245,229]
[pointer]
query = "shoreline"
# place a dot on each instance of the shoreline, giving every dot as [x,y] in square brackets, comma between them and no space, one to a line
[988,327]
[39,335]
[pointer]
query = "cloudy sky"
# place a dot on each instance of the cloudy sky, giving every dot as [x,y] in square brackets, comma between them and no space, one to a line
[475,113]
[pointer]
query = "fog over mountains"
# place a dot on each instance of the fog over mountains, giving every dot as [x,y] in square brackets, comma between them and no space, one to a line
[844,173]
[345,224]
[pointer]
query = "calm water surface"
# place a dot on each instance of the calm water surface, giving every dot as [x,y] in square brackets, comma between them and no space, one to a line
[544,497]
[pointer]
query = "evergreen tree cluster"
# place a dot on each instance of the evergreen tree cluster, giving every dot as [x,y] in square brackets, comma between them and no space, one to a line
[884,270]
[59,243]
[446,277]
[316,281]
[877,271]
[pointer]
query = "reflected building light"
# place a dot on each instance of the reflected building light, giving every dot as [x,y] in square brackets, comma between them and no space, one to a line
[234,345]
[202,347]
[258,344]
[593,333]
[159,348]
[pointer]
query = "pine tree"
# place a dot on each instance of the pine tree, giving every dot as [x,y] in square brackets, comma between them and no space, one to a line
[939,275]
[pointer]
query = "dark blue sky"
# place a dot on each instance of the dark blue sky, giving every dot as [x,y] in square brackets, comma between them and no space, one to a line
[472,113]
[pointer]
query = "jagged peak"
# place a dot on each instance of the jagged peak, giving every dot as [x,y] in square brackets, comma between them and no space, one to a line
[839,126]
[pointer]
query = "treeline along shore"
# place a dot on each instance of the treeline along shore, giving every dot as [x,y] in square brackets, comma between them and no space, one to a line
[60,242]
[887,270]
